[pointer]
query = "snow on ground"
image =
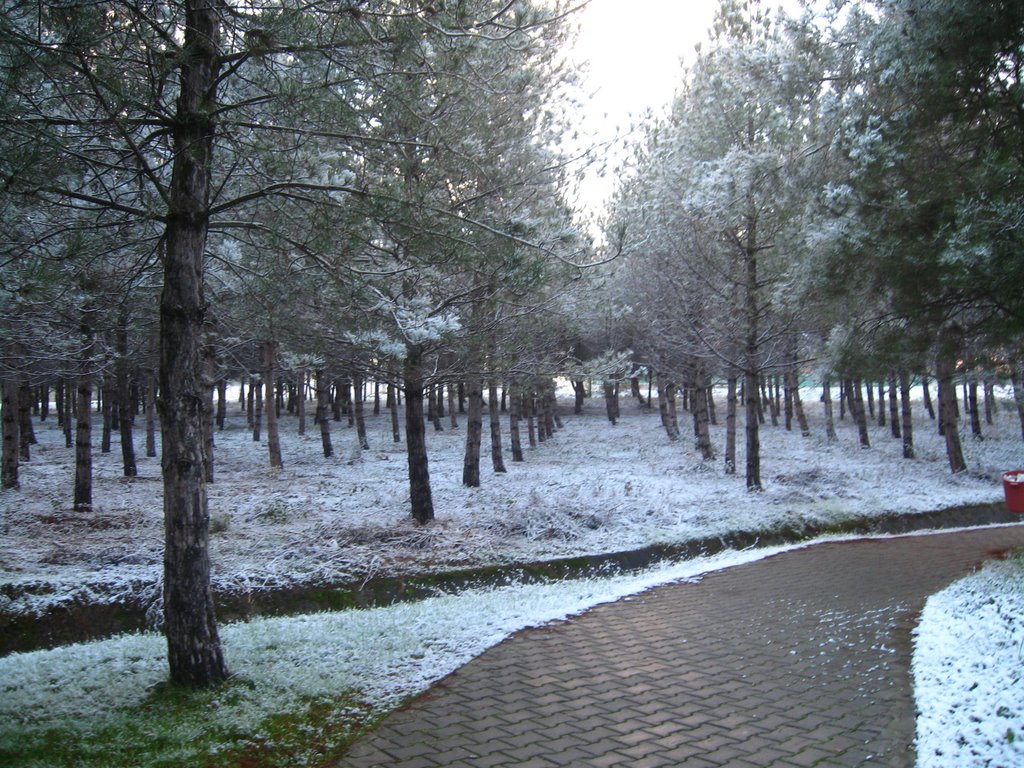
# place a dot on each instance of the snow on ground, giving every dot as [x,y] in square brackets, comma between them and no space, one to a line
[968,671]
[593,488]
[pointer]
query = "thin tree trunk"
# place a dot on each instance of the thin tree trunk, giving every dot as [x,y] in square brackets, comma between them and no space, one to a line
[881,403]
[420,496]
[273,435]
[730,423]
[667,413]
[300,404]
[866,387]
[257,417]
[474,433]
[497,459]
[322,418]
[579,389]
[11,451]
[894,408]
[990,399]
[926,393]
[946,369]
[357,409]
[826,399]
[906,416]
[107,411]
[222,402]
[392,400]
[753,437]
[453,419]
[531,426]
[856,394]
[69,409]
[514,414]
[611,401]
[151,416]
[83,424]
[797,404]
[124,401]
[1018,392]
[972,409]
[700,420]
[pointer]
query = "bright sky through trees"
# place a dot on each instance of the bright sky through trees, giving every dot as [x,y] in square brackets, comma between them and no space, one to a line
[629,56]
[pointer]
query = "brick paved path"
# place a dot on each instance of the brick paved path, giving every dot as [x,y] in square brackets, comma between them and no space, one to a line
[797,660]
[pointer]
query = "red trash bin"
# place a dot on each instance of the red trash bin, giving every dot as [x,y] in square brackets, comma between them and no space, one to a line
[1013,487]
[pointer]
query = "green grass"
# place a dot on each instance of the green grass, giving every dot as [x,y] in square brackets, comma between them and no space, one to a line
[172,728]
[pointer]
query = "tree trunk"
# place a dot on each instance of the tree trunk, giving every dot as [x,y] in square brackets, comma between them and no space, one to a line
[322,419]
[946,368]
[700,420]
[1018,392]
[894,408]
[69,409]
[26,432]
[881,403]
[972,409]
[194,652]
[11,451]
[730,423]
[611,401]
[420,496]
[107,410]
[866,387]
[497,459]
[667,413]
[579,389]
[753,437]
[357,409]
[531,426]
[453,419]
[905,416]
[273,434]
[256,392]
[855,393]
[83,423]
[826,399]
[798,405]
[990,399]
[392,400]
[514,414]
[222,402]
[300,403]
[474,434]
[124,401]
[151,415]
[634,388]
[787,394]
[926,393]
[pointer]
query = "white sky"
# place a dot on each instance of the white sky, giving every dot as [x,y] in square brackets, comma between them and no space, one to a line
[634,50]
[630,57]
[630,54]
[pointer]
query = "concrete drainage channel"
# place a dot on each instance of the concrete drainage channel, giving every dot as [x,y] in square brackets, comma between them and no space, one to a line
[80,622]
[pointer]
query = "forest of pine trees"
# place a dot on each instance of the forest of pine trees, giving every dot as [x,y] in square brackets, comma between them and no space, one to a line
[320,201]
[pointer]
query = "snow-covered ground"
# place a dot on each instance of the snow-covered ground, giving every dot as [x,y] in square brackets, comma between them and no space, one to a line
[969,671]
[593,488]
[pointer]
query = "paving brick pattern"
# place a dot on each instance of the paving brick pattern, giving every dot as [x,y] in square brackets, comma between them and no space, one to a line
[801,659]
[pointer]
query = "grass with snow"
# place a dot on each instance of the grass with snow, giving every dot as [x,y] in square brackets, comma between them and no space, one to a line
[969,671]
